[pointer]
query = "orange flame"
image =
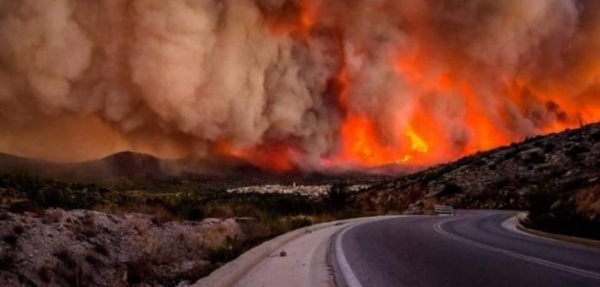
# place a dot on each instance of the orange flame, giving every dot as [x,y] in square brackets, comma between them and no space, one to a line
[297,24]
[422,141]
[274,157]
[421,136]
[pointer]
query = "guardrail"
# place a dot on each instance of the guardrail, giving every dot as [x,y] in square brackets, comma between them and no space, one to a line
[444,210]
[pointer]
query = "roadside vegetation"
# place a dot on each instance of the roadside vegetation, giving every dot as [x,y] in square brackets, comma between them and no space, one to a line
[573,213]
[24,193]
[260,217]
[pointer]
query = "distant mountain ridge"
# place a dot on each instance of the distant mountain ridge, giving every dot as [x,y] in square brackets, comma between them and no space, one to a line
[123,164]
[148,168]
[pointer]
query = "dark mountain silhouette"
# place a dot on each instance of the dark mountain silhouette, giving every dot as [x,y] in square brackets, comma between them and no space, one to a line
[119,165]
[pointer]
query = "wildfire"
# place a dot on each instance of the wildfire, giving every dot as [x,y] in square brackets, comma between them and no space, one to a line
[297,84]
[422,136]
[417,143]
[275,157]
[362,146]
[298,22]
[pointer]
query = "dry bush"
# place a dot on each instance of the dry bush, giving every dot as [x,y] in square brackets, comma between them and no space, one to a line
[10,239]
[326,217]
[161,216]
[139,271]
[94,260]
[5,215]
[242,209]
[6,260]
[45,272]
[255,229]
[52,216]
[197,271]
[65,256]
[219,210]
[19,229]
[86,228]
[588,202]
[101,249]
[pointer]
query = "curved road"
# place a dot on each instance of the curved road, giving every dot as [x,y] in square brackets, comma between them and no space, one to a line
[471,249]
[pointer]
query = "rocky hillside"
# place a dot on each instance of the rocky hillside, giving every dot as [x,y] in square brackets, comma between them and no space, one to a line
[562,168]
[87,248]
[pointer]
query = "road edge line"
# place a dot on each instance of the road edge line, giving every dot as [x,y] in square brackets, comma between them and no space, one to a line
[438,228]
[348,275]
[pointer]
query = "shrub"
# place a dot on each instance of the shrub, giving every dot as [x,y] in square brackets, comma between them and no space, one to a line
[244,209]
[185,205]
[549,148]
[300,222]
[5,215]
[6,261]
[139,271]
[231,250]
[196,272]
[10,239]
[283,204]
[66,257]
[218,210]
[536,158]
[87,228]
[44,273]
[52,216]
[595,136]
[101,249]
[337,197]
[449,189]
[93,260]
[576,150]
[18,229]
[557,212]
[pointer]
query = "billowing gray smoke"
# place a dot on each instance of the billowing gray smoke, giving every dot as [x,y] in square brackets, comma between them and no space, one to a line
[82,78]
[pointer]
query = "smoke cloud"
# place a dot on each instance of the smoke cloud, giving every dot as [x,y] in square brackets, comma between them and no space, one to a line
[293,83]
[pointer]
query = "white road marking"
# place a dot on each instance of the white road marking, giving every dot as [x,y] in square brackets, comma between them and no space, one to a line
[438,228]
[345,269]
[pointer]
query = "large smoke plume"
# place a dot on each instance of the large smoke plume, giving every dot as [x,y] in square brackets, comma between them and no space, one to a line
[285,83]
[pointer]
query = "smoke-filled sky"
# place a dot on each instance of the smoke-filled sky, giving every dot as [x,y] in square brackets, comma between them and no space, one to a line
[293,83]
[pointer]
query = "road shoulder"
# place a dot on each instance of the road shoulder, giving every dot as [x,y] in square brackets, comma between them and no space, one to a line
[261,259]
[513,224]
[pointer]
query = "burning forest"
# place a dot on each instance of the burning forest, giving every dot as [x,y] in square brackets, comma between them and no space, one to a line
[293,84]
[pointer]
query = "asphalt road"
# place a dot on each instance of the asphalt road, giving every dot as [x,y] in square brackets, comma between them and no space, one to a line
[470,249]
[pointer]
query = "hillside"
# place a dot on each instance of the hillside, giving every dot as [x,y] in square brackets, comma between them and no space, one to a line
[555,177]
[119,165]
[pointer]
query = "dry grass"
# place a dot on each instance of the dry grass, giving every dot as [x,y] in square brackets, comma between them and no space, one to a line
[220,210]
